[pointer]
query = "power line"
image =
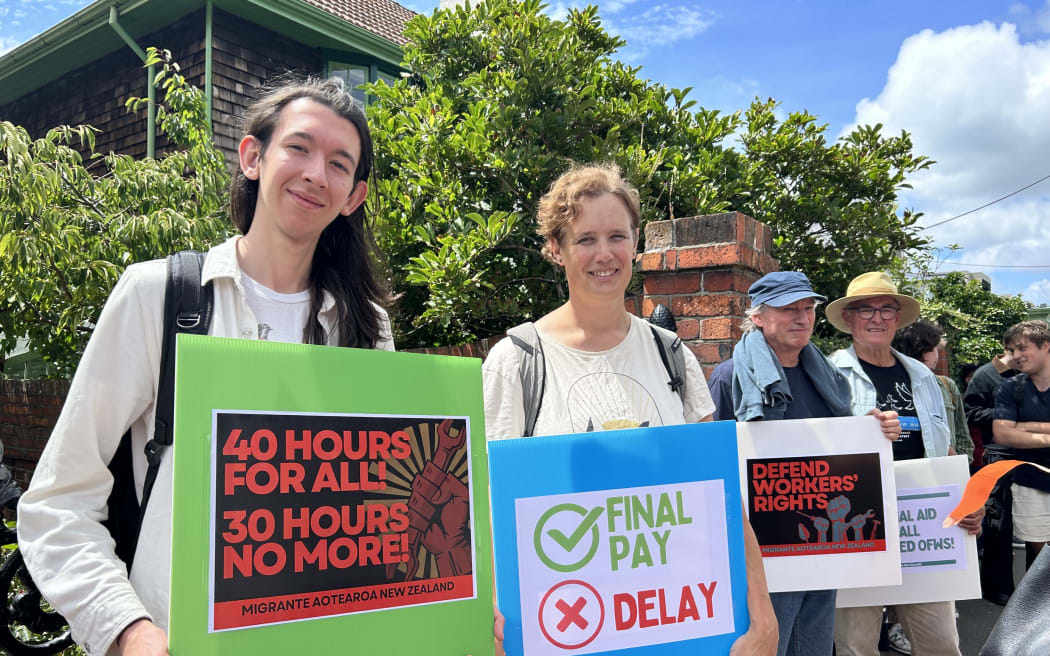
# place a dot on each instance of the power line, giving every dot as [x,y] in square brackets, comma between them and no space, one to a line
[976,209]
[1000,266]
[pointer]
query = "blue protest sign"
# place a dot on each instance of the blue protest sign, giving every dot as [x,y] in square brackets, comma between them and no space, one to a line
[623,541]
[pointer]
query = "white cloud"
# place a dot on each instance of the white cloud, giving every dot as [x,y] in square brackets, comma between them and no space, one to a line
[1042,18]
[652,27]
[615,6]
[560,10]
[976,99]
[19,13]
[1038,292]
[1029,20]
[659,26]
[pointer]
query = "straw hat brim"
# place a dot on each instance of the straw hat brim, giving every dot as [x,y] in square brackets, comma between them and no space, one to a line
[909,309]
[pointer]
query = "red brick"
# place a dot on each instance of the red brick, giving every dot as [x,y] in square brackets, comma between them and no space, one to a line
[649,304]
[633,305]
[741,228]
[706,353]
[728,280]
[652,261]
[720,328]
[689,328]
[672,283]
[706,257]
[671,260]
[707,305]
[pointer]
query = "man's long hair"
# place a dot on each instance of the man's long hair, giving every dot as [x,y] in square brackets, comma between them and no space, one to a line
[343,263]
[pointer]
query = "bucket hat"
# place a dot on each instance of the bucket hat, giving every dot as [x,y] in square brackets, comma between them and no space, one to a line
[870,285]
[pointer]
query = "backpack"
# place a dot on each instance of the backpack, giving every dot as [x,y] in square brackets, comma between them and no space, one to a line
[187,309]
[533,373]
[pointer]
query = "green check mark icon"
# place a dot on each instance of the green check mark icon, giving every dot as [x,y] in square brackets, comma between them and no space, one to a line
[568,542]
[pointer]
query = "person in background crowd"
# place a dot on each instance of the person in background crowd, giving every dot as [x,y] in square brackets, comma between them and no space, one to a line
[966,372]
[1022,423]
[871,312]
[777,373]
[979,396]
[923,341]
[996,544]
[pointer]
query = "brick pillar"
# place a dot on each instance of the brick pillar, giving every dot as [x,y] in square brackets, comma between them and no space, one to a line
[700,267]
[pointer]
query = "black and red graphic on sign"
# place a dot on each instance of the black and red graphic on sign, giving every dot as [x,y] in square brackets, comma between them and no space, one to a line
[319,515]
[817,505]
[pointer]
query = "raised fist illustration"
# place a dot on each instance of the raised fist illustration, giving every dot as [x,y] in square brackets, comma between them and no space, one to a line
[439,510]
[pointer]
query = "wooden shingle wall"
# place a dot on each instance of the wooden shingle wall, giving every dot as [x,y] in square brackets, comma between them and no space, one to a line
[243,56]
[95,93]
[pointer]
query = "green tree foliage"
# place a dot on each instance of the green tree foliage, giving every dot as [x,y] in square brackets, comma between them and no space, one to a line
[70,224]
[974,320]
[502,99]
[832,207]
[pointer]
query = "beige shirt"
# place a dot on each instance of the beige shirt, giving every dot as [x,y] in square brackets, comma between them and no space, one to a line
[622,387]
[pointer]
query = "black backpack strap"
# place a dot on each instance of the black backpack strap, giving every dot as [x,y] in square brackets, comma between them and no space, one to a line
[187,309]
[671,354]
[532,371]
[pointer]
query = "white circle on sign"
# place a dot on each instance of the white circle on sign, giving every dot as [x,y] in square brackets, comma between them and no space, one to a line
[571,614]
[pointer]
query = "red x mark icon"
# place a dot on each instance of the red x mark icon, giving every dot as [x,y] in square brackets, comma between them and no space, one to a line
[571,613]
[559,615]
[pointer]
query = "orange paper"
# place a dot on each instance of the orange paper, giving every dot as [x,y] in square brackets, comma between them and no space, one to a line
[980,486]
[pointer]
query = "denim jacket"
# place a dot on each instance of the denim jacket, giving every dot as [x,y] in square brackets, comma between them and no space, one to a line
[926,393]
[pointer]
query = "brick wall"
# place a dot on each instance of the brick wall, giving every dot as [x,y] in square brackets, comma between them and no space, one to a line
[700,267]
[28,410]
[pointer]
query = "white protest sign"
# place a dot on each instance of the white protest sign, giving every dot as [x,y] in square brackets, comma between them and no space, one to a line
[600,570]
[938,564]
[821,498]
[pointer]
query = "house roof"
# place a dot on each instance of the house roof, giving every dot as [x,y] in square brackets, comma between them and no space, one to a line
[373,27]
[383,17]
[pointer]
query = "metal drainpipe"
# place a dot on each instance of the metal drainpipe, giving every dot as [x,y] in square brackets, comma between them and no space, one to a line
[207,59]
[151,108]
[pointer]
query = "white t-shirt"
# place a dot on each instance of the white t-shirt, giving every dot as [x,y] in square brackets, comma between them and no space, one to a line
[622,387]
[281,317]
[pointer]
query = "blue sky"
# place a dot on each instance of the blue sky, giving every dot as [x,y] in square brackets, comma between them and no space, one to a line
[970,80]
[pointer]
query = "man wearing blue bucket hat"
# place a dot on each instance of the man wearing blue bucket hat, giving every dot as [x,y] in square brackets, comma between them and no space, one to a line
[776,372]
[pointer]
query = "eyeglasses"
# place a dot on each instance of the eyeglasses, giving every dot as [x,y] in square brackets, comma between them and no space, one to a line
[866,312]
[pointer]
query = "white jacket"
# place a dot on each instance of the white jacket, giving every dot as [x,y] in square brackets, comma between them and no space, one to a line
[926,394]
[68,551]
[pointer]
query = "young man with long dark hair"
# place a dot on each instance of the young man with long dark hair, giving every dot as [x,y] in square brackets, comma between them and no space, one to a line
[301,272]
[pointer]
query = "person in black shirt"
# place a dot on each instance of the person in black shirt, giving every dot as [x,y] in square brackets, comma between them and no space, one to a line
[979,397]
[1022,422]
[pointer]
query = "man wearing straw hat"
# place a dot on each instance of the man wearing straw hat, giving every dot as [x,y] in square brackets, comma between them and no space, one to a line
[882,377]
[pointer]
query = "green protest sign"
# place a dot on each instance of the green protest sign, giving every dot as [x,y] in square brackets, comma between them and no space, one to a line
[327,497]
